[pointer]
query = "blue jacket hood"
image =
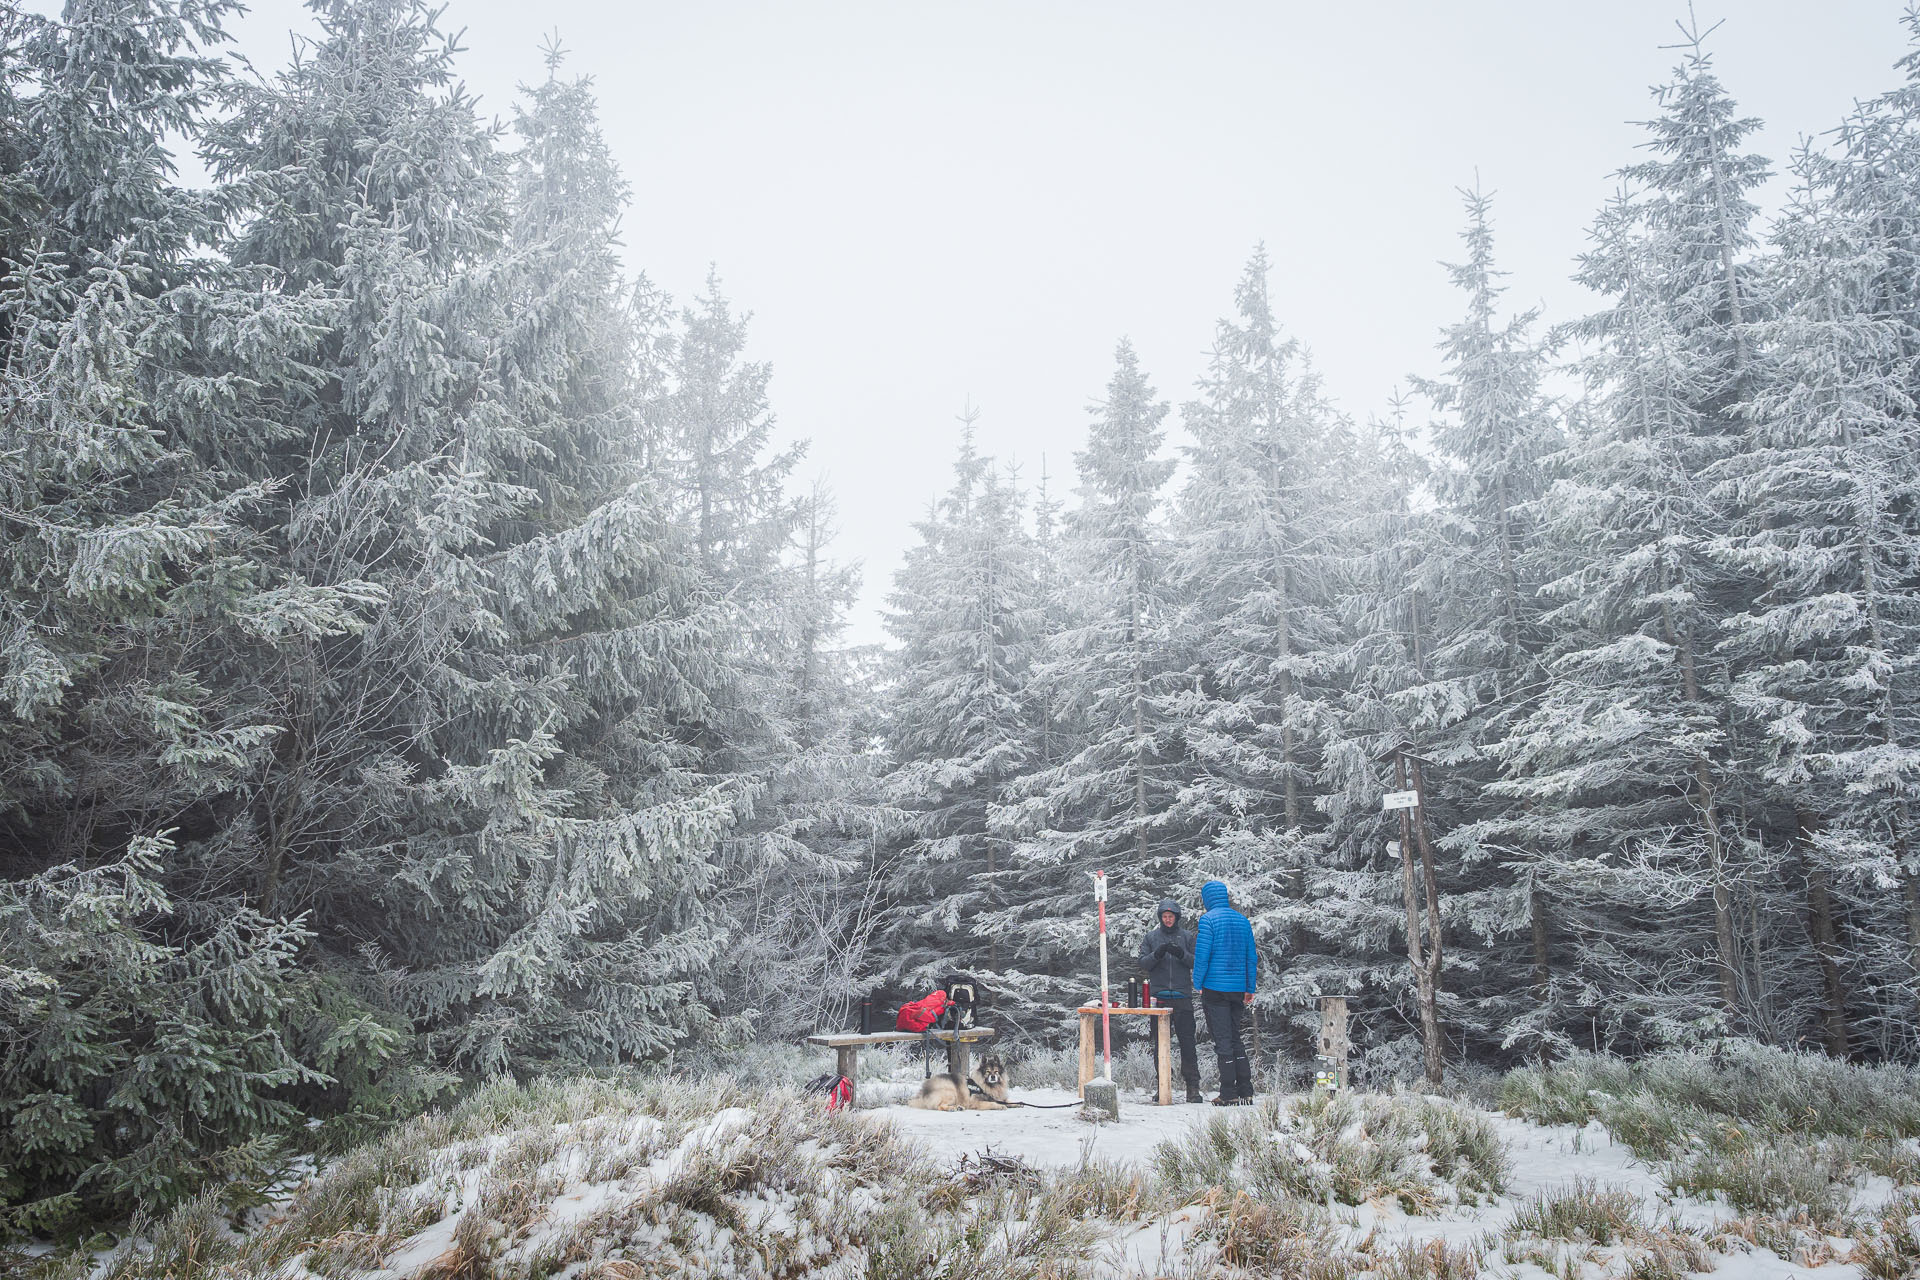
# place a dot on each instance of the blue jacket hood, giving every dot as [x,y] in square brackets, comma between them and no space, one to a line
[1214,895]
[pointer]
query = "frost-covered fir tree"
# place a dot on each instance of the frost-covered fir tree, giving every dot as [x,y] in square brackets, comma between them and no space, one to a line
[780,599]
[485,799]
[1873,186]
[1628,760]
[800,937]
[155,1026]
[1484,663]
[1373,933]
[1826,495]
[1103,805]
[134,366]
[603,620]
[1259,532]
[962,729]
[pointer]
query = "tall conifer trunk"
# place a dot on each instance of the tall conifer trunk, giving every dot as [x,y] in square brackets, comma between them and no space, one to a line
[1833,1007]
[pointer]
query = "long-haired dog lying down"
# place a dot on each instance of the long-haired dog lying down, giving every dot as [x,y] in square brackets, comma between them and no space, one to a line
[948,1092]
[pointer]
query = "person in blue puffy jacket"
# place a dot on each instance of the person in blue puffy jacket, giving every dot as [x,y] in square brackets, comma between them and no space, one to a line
[1225,972]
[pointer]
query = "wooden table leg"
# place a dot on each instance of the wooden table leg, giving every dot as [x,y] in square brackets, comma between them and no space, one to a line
[957,1060]
[846,1061]
[1163,1049]
[1086,1052]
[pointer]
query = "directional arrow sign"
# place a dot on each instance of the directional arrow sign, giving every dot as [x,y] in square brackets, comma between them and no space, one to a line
[1400,800]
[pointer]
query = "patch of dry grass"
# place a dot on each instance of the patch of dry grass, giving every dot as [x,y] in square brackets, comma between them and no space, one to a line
[1583,1225]
[1891,1251]
[1286,1238]
[1419,1151]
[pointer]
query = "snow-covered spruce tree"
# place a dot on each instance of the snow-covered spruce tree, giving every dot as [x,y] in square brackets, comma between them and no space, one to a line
[1826,494]
[1872,187]
[1629,759]
[1103,805]
[607,627]
[1372,934]
[1055,723]
[486,800]
[1258,533]
[962,729]
[761,559]
[799,938]
[1484,663]
[1874,177]
[151,1022]
[127,397]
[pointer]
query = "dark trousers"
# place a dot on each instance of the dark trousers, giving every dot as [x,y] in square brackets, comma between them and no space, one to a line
[1226,1013]
[1184,1032]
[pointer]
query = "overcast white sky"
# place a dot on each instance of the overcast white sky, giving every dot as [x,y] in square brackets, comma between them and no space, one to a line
[922,203]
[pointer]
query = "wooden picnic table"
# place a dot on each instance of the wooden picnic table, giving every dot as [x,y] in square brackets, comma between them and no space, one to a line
[1162,1044]
[847,1046]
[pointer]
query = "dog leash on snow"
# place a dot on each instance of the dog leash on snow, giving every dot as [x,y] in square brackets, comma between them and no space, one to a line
[977,1091]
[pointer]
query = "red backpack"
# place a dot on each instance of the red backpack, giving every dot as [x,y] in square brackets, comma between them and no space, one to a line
[838,1088]
[921,1014]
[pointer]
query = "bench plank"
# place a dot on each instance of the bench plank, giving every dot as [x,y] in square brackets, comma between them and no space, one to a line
[900,1037]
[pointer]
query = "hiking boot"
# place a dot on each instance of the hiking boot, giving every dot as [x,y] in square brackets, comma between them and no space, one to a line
[1224,1101]
[1194,1095]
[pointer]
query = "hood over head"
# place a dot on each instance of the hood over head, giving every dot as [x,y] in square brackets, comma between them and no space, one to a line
[1214,895]
[1166,905]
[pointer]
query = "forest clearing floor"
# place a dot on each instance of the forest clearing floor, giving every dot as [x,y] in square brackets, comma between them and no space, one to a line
[666,1175]
[1570,1170]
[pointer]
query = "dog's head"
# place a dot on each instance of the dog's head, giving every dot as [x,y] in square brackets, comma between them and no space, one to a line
[992,1070]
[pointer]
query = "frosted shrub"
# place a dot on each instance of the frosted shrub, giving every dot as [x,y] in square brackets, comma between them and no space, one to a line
[1582,1211]
[1351,1148]
[1892,1252]
[1560,1226]
[1109,1191]
[1780,1179]
[1650,1102]
[1431,1260]
[1287,1239]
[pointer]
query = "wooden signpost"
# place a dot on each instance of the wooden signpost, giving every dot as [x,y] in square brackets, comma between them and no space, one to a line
[1406,799]
[1334,1046]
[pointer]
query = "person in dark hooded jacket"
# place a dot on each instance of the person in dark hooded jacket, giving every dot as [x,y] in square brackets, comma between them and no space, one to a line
[1166,958]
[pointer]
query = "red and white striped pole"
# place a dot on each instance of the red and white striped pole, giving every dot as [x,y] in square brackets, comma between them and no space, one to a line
[1106,1024]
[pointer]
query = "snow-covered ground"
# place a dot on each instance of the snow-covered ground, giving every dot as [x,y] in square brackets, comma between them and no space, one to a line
[1544,1159]
[592,1182]
[1049,1139]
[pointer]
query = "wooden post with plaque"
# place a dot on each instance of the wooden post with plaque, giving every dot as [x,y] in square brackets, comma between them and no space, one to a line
[1334,1045]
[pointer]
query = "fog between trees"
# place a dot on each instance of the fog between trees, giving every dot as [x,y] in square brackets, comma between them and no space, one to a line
[419,664]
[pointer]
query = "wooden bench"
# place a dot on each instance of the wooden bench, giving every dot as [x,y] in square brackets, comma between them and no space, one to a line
[847,1047]
[1162,1047]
